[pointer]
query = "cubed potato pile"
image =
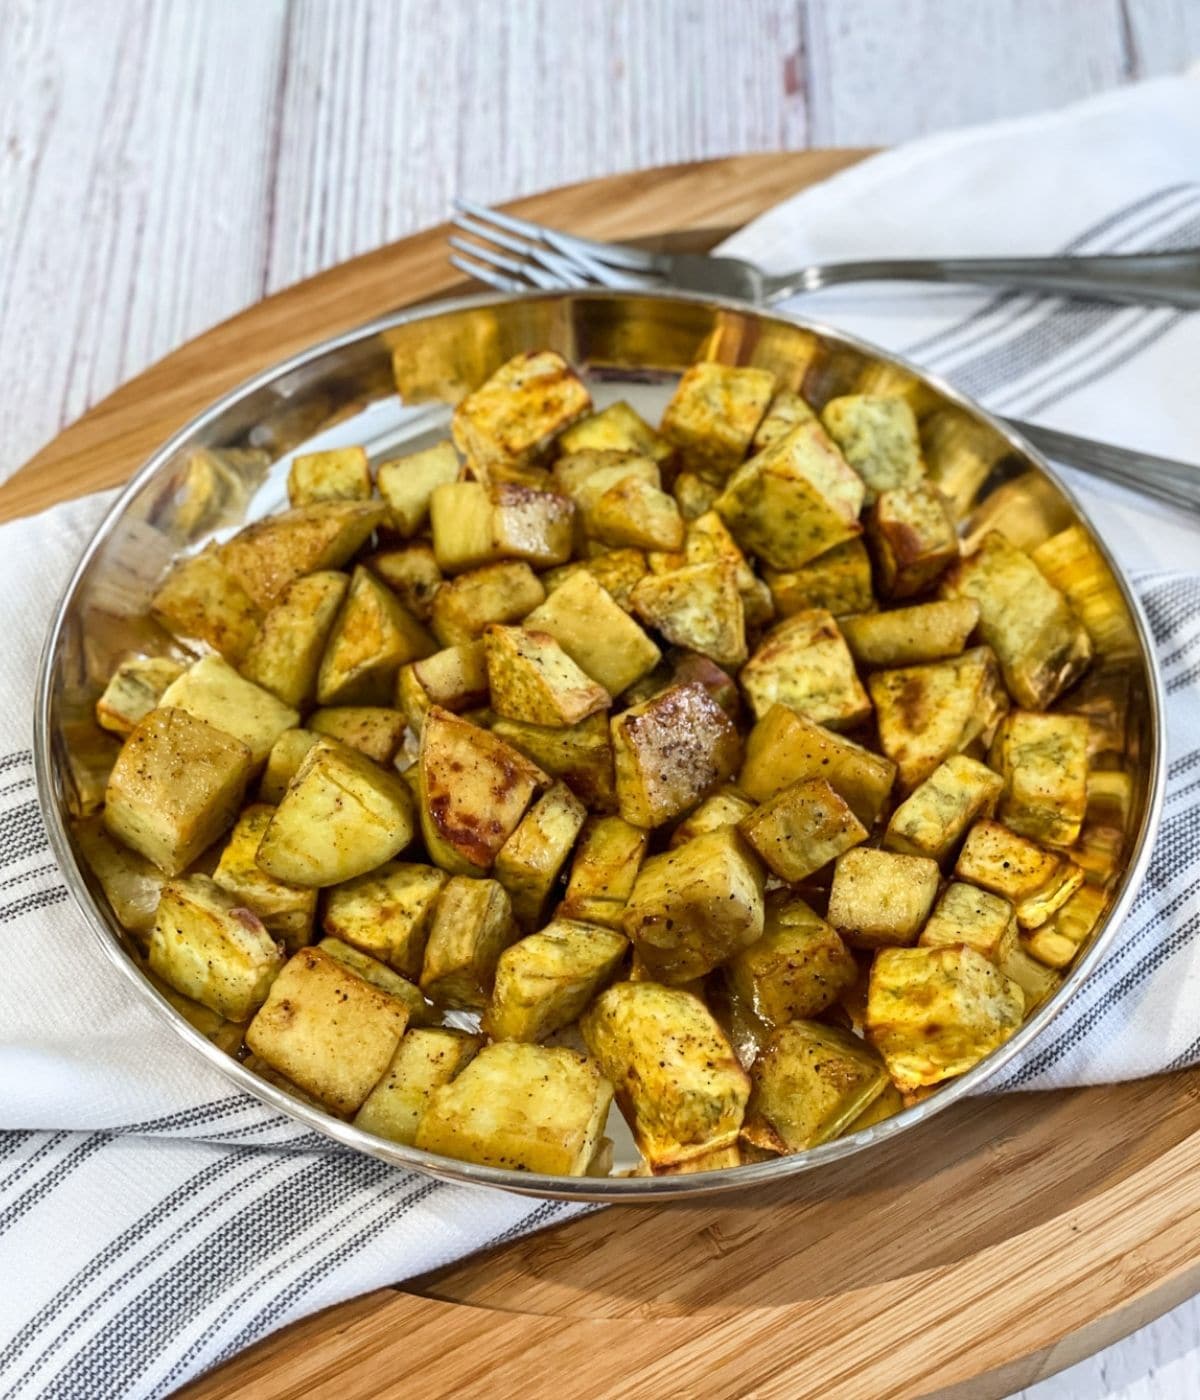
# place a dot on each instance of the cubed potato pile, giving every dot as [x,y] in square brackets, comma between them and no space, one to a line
[701,768]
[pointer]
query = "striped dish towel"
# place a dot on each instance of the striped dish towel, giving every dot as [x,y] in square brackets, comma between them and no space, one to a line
[152,1223]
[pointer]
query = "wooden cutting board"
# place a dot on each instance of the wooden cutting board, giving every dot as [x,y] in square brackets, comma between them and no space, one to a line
[1001,1242]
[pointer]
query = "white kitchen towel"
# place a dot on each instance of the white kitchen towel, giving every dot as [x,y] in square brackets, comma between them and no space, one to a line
[153,1222]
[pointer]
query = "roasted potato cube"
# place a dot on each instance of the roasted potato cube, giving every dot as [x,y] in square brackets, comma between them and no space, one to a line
[286,756]
[693,908]
[1069,927]
[176,786]
[913,539]
[602,639]
[698,607]
[785,747]
[328,1030]
[617,428]
[211,948]
[337,474]
[472,925]
[677,1080]
[510,421]
[532,679]
[454,679]
[529,862]
[582,756]
[708,541]
[966,914]
[545,981]
[1042,760]
[286,911]
[134,689]
[693,494]
[475,524]
[838,581]
[933,1013]
[632,514]
[585,476]
[387,913]
[617,571]
[787,410]
[880,899]
[669,752]
[796,970]
[606,865]
[211,690]
[372,970]
[285,655]
[371,729]
[809,1084]
[533,1108]
[910,636]
[341,816]
[226,1035]
[200,598]
[1073,564]
[804,663]
[877,434]
[407,483]
[714,414]
[927,713]
[412,574]
[723,809]
[425,1059]
[372,637]
[935,816]
[131,883]
[500,593]
[794,501]
[1040,643]
[1036,881]
[803,827]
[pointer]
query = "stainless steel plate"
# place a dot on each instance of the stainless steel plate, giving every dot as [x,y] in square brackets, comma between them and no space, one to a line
[626,346]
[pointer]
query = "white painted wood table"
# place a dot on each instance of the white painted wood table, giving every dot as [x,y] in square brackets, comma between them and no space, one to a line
[164,163]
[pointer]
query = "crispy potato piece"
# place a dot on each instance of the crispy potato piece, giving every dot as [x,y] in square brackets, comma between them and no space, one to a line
[708,541]
[794,501]
[500,593]
[617,428]
[804,663]
[133,690]
[226,1035]
[618,572]
[669,752]
[328,1030]
[677,1080]
[936,814]
[913,540]
[714,413]
[472,925]
[632,514]
[933,1013]
[286,653]
[420,1012]
[529,862]
[693,494]
[1042,760]
[585,476]
[454,679]
[545,981]
[287,911]
[371,729]
[1069,927]
[877,434]
[1040,643]
[534,1108]
[606,865]
[286,756]
[1073,564]
[475,524]
[796,970]
[211,948]
[966,914]
[810,1083]
[787,410]
[596,633]
[698,607]
[341,816]
[785,747]
[407,483]
[372,637]
[803,827]
[723,809]
[531,678]
[582,756]
[131,883]
[910,636]
[337,474]
[927,713]
[424,1060]
[1036,881]
[211,690]
[176,786]
[880,899]
[838,580]
[412,574]
[202,599]
[387,913]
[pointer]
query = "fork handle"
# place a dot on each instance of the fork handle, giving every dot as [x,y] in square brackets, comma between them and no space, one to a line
[1158,279]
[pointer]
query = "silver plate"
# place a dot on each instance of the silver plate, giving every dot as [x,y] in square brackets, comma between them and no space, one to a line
[343,391]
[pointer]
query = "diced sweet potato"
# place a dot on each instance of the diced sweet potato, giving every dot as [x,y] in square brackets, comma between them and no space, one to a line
[500,593]
[372,637]
[1036,881]
[606,865]
[529,862]
[880,899]
[838,581]
[1042,760]
[802,828]
[406,484]
[913,538]
[202,599]
[934,817]
[286,911]
[337,474]
[797,969]
[714,414]
[509,422]
[910,636]
[532,679]
[878,437]
[387,913]
[804,663]
[545,981]
[426,1058]
[472,925]
[286,654]
[133,690]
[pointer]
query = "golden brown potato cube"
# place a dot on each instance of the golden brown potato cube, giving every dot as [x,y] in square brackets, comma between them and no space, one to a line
[211,948]
[598,635]
[425,1059]
[328,1030]
[606,865]
[500,593]
[714,414]
[927,713]
[585,476]
[533,1108]
[211,690]
[936,814]
[723,809]
[838,580]
[708,541]
[677,1080]
[809,1084]
[785,747]
[698,607]
[800,829]
[545,981]
[510,421]
[472,925]
[1069,927]
[266,556]
[617,428]
[406,484]
[880,899]
[412,574]
[1042,760]
[474,790]
[371,729]
[372,637]
[878,437]
[913,540]
[669,752]
[796,970]
[1036,881]
[133,690]
[337,474]
[286,911]
[420,1012]
[693,494]
[387,913]
[1040,643]
[966,914]
[632,514]
[286,756]
[1073,564]
[285,655]
[582,756]
[176,786]
[804,663]
[910,636]
[617,571]
[131,883]
[694,907]
[532,679]
[529,862]
[341,816]
[787,410]
[474,524]
[203,600]
[454,679]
